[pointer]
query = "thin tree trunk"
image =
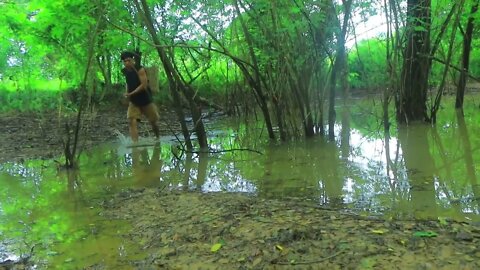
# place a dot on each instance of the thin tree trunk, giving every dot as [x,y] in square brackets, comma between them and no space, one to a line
[393,56]
[260,93]
[467,47]
[175,81]
[104,63]
[317,33]
[441,88]
[301,96]
[339,64]
[71,156]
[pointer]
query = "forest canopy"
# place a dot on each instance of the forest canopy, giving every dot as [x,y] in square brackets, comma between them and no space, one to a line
[293,57]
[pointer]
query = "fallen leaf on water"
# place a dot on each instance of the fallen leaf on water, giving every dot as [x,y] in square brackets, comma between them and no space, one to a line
[216,247]
[425,234]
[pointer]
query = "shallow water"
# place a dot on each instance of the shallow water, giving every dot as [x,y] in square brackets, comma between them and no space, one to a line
[419,172]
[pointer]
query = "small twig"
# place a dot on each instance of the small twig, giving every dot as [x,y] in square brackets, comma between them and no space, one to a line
[211,151]
[175,134]
[310,262]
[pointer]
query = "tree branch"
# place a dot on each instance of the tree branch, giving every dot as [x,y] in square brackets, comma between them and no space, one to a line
[177,45]
[455,68]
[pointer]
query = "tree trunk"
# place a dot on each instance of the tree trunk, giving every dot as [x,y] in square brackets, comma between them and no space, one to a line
[412,97]
[262,99]
[174,79]
[105,64]
[451,46]
[467,46]
[339,64]
[280,119]
[301,96]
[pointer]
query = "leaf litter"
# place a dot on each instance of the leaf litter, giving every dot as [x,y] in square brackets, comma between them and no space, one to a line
[192,230]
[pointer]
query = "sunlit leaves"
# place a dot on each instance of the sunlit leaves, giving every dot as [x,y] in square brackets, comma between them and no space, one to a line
[367,64]
[216,247]
[378,231]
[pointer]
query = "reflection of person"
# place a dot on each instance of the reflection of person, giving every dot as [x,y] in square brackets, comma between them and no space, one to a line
[139,95]
[147,170]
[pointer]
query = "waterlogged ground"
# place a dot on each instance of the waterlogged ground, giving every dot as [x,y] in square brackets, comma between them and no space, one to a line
[234,231]
[366,201]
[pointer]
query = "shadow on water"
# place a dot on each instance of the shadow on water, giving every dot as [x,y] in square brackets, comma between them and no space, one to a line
[419,172]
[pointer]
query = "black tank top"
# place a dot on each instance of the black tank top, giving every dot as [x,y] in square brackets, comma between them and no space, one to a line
[133,81]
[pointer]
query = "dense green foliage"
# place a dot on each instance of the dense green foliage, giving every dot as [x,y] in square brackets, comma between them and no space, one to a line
[367,65]
[230,52]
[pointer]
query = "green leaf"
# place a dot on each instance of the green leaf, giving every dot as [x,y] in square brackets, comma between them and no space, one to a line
[295,10]
[443,220]
[419,28]
[425,234]
[216,247]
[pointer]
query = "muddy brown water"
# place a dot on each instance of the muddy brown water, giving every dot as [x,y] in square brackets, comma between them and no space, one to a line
[297,205]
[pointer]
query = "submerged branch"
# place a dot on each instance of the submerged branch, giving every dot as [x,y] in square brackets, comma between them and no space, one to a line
[455,68]
[212,151]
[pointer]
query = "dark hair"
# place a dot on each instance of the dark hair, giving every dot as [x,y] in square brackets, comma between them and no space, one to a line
[126,54]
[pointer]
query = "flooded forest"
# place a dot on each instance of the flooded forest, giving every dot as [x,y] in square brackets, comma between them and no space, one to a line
[237,134]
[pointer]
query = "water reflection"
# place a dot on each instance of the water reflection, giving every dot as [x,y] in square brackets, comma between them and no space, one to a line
[187,171]
[75,192]
[195,179]
[420,168]
[202,171]
[332,174]
[416,172]
[146,169]
[419,172]
[469,161]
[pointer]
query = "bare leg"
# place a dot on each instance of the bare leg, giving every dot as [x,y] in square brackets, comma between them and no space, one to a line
[132,125]
[155,128]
